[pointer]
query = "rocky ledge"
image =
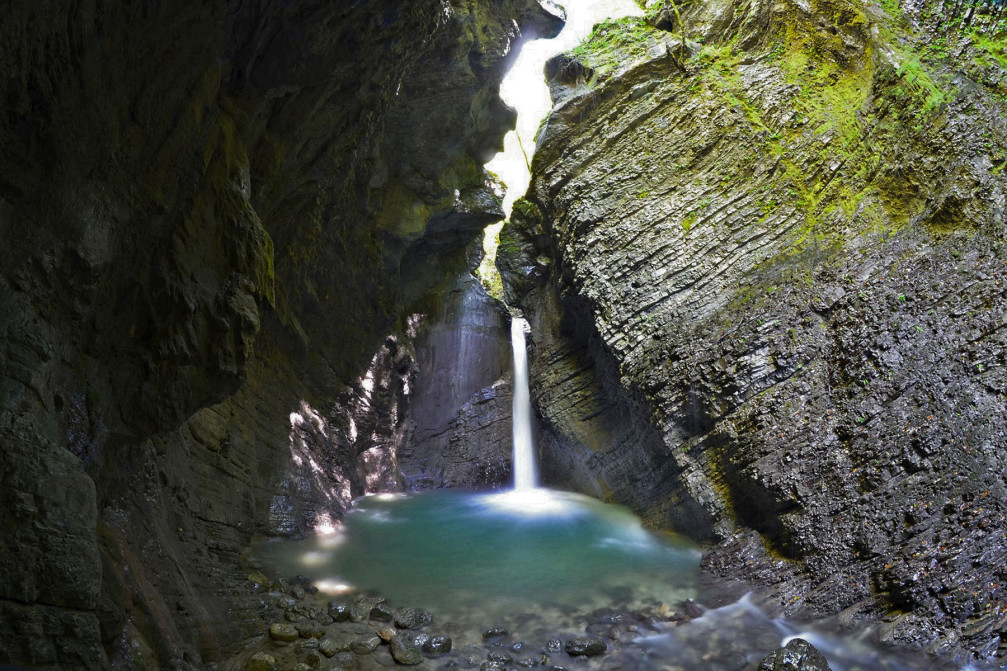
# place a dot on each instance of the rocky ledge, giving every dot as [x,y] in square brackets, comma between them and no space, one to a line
[763,256]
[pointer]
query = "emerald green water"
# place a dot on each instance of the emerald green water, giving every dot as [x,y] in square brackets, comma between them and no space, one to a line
[539,562]
[456,552]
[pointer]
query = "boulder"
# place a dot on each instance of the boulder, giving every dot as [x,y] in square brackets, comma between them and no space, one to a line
[589,647]
[797,655]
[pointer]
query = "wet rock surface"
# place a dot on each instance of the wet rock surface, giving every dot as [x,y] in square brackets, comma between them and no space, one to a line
[214,217]
[457,432]
[603,639]
[639,636]
[797,655]
[769,312]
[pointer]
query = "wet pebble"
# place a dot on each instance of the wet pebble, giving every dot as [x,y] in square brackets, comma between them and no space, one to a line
[553,645]
[296,613]
[436,646]
[798,655]
[281,631]
[405,651]
[260,661]
[412,618]
[585,647]
[365,645]
[495,632]
[362,606]
[381,613]
[339,611]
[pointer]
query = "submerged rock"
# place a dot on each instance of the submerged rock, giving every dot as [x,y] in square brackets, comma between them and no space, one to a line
[330,646]
[412,618]
[339,611]
[436,646]
[405,651]
[587,647]
[260,661]
[282,631]
[797,655]
[310,629]
[499,657]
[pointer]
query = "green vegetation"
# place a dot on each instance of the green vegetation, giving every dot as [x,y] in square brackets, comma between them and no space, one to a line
[527,209]
[487,272]
[616,44]
[982,16]
[916,83]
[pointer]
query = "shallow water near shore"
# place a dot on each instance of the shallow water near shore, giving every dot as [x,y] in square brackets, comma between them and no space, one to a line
[454,552]
[543,564]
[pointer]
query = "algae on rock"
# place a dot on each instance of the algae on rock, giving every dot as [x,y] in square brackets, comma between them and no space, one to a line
[775,303]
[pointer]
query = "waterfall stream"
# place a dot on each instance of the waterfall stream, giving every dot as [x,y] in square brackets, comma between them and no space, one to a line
[525,459]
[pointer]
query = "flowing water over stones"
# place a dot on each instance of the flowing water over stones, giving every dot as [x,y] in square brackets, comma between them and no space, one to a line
[528,579]
[525,578]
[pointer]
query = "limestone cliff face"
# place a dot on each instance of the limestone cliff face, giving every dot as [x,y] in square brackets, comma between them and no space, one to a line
[214,215]
[457,427]
[766,275]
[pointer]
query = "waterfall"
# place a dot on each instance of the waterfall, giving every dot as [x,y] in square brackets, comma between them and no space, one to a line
[525,467]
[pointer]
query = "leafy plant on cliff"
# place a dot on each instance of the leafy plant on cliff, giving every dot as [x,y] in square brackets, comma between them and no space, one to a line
[487,272]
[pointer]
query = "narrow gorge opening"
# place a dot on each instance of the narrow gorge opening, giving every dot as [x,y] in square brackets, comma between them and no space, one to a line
[256,410]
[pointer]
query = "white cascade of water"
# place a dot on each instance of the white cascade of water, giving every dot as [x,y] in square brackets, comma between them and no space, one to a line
[525,459]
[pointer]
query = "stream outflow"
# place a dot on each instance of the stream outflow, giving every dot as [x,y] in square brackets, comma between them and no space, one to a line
[542,564]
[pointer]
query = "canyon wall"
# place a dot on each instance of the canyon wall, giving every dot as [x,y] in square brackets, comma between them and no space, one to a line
[763,255]
[218,219]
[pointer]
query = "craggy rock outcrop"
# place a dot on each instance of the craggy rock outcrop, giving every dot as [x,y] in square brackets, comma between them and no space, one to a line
[777,250]
[213,216]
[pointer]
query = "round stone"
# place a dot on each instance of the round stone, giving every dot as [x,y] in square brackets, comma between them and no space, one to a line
[588,647]
[283,631]
[437,645]
[260,661]
[405,651]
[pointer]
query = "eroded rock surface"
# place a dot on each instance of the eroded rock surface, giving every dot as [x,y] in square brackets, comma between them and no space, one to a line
[458,429]
[213,218]
[776,253]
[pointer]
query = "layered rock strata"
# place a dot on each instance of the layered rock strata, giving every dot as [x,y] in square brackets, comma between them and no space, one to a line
[763,256]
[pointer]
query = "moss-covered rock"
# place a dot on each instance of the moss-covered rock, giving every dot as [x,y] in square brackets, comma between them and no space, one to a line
[773,305]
